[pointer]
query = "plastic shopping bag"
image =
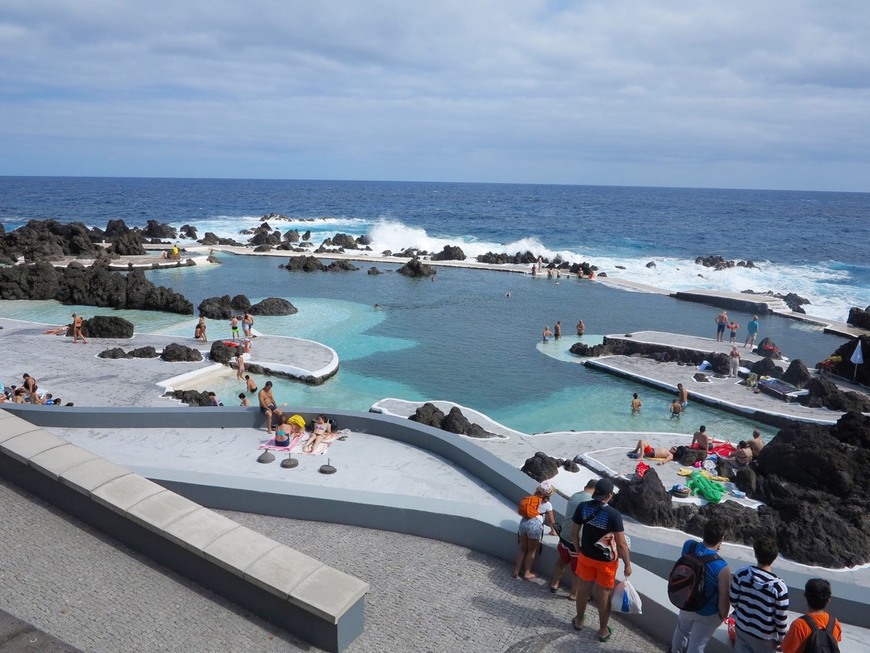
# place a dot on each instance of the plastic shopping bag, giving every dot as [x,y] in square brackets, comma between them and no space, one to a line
[626,599]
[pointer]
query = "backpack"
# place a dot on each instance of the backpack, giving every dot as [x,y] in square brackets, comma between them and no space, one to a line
[820,641]
[529,505]
[686,581]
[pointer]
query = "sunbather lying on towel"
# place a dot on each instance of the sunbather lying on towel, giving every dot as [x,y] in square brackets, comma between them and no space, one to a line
[646,450]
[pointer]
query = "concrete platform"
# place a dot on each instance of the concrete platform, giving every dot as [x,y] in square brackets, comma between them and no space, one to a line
[75,373]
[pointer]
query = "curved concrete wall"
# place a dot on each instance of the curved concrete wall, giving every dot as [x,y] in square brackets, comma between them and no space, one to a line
[434,519]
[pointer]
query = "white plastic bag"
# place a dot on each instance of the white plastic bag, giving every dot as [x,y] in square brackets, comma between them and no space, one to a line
[626,599]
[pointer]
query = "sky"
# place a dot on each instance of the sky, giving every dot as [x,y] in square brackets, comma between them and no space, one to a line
[686,93]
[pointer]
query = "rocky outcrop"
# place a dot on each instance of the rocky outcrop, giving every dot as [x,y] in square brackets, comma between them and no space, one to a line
[304,264]
[587,351]
[814,482]
[449,253]
[859,317]
[416,268]
[797,374]
[345,241]
[824,394]
[766,367]
[118,352]
[192,397]
[92,286]
[768,349]
[47,240]
[500,258]
[107,326]
[240,303]
[160,231]
[373,271]
[719,263]
[216,308]
[454,421]
[273,306]
[210,239]
[428,414]
[222,353]
[341,266]
[188,231]
[175,353]
[794,301]
[541,467]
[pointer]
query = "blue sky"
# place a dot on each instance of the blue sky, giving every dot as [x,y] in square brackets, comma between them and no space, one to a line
[627,92]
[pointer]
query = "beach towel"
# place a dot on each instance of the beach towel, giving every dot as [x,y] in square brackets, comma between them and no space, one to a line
[723,449]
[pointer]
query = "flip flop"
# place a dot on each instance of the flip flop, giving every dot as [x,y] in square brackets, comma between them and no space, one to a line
[554,589]
[574,623]
[606,637]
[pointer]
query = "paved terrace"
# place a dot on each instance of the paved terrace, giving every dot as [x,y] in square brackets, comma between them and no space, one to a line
[75,373]
[726,393]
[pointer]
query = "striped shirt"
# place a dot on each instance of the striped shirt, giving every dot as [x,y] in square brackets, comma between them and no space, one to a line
[760,602]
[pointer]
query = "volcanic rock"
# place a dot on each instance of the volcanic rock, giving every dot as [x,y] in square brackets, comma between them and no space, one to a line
[341,266]
[768,349]
[766,367]
[291,236]
[501,258]
[580,349]
[222,353]
[373,271]
[449,253]
[143,352]
[344,241]
[273,306]
[216,308]
[823,393]
[192,397]
[156,230]
[114,352]
[47,240]
[859,317]
[106,326]
[304,264]
[428,414]
[175,353]
[415,268]
[797,374]
[456,422]
[541,467]
[240,303]
[188,231]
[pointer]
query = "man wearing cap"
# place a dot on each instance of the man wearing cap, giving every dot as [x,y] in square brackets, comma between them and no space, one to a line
[596,570]
[565,548]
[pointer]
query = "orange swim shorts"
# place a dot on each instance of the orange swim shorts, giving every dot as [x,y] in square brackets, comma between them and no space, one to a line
[601,573]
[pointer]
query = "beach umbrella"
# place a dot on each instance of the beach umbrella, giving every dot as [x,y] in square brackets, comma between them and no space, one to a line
[857,359]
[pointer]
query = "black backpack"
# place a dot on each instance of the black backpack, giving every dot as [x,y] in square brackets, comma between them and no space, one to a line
[820,641]
[687,579]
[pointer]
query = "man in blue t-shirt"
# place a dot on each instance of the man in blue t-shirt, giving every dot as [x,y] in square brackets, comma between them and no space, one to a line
[752,330]
[694,629]
[596,569]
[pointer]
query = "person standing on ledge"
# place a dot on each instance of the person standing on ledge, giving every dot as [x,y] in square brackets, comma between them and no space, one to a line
[721,323]
[596,570]
[77,329]
[752,331]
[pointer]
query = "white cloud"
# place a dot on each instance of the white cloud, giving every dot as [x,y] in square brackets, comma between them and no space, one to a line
[603,91]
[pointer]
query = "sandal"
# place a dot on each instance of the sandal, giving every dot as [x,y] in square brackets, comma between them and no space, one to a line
[574,623]
[607,636]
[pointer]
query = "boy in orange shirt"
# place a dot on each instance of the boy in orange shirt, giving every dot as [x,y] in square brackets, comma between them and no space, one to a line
[817,592]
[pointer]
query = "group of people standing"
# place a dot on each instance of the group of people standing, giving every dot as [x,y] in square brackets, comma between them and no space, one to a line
[556,333]
[723,322]
[592,542]
[758,597]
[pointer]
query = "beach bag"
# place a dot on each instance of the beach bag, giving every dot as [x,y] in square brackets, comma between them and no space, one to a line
[626,599]
[686,581]
[820,641]
[529,505]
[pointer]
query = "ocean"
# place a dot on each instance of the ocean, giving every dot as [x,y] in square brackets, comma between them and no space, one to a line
[460,338]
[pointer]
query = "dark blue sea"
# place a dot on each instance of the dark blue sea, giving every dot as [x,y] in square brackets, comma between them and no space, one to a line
[460,338]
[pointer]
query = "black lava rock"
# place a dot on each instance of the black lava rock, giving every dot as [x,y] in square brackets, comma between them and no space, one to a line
[175,353]
[106,326]
[273,306]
